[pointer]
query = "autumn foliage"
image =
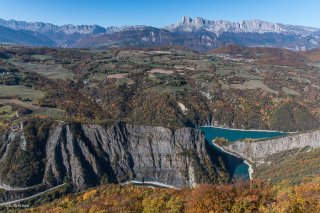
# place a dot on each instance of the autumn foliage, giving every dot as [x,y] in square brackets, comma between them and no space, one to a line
[241,196]
[238,197]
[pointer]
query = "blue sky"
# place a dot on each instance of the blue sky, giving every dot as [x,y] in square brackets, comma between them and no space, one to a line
[159,12]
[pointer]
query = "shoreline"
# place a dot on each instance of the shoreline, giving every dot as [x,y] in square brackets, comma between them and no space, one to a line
[250,167]
[244,130]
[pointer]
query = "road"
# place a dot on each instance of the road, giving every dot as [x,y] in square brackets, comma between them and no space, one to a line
[9,188]
[31,197]
[150,184]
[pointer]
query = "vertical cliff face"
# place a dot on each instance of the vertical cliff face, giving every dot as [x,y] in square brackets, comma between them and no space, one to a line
[258,151]
[89,155]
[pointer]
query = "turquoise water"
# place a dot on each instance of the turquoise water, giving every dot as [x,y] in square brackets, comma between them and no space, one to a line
[236,167]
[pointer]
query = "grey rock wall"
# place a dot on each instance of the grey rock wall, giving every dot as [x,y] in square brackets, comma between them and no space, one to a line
[89,155]
[257,151]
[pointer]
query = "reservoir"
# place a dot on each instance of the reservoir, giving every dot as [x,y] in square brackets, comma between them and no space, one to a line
[236,167]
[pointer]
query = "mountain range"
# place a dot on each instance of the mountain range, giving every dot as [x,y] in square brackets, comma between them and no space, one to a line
[197,34]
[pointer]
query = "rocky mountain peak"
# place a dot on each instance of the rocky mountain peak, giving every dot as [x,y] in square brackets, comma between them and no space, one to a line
[198,21]
[186,20]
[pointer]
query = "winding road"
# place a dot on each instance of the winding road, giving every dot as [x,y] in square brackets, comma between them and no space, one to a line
[150,184]
[9,188]
[33,196]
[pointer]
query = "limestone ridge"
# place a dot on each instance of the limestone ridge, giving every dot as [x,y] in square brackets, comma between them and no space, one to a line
[218,27]
[60,35]
[258,151]
[89,155]
[47,27]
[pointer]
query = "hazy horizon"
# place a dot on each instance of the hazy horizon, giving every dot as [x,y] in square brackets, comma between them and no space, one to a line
[158,13]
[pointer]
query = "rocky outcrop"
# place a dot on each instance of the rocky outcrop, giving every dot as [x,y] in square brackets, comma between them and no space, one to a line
[89,155]
[218,27]
[258,151]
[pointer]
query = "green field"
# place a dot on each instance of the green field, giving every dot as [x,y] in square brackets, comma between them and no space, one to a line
[42,57]
[22,92]
[51,71]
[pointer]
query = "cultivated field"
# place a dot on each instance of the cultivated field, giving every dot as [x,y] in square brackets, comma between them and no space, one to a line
[23,92]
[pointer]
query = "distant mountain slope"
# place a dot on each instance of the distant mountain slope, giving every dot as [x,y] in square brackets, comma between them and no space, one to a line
[204,35]
[23,37]
[64,35]
[197,34]
[137,36]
